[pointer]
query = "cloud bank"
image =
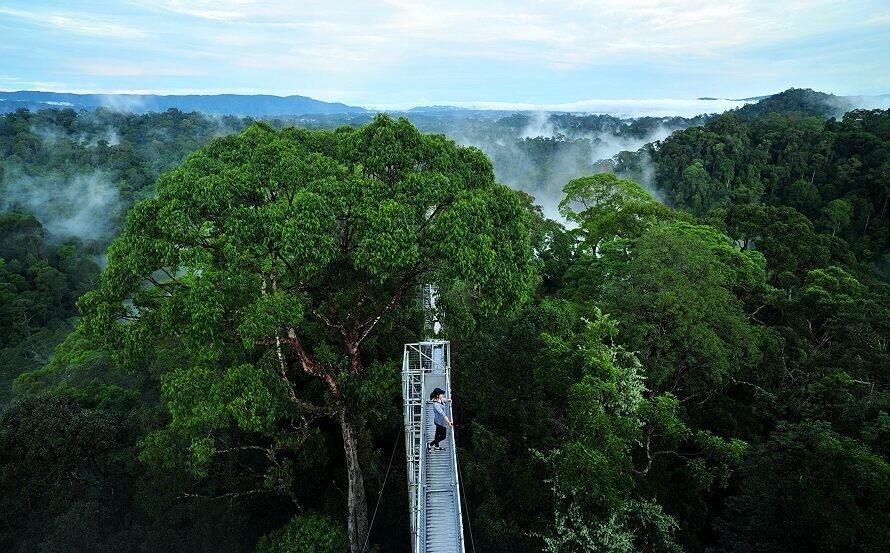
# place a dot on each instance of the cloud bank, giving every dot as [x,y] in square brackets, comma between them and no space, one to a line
[546,54]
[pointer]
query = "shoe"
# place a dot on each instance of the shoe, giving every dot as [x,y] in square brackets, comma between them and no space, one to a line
[439,448]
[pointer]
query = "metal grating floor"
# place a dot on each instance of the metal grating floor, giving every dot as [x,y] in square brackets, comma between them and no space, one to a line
[442,532]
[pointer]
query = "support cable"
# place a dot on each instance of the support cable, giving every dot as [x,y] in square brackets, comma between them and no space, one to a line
[383,487]
[463,494]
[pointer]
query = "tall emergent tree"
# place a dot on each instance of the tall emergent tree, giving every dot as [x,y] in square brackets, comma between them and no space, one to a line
[258,275]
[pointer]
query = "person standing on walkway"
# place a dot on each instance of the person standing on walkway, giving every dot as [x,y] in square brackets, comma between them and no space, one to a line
[440,418]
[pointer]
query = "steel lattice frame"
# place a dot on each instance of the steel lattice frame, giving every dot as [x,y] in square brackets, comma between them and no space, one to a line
[423,361]
[420,358]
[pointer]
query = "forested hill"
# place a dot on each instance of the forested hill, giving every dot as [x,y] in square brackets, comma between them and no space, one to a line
[798,101]
[255,105]
[706,374]
[833,174]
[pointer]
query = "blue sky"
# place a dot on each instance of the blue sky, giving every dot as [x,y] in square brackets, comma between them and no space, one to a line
[401,53]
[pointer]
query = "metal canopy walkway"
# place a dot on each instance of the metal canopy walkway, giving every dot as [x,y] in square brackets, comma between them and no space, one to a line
[433,487]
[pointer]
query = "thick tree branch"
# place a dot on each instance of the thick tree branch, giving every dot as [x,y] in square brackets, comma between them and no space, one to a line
[652,455]
[328,321]
[282,364]
[408,281]
[310,365]
[229,495]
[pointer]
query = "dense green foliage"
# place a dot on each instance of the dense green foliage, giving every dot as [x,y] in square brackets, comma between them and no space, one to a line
[134,150]
[836,173]
[799,102]
[305,534]
[705,377]
[79,173]
[257,282]
[40,280]
[535,152]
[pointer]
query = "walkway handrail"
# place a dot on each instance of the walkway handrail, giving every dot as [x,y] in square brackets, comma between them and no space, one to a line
[420,545]
[453,442]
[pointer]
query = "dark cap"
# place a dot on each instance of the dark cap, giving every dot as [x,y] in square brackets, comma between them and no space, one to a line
[436,392]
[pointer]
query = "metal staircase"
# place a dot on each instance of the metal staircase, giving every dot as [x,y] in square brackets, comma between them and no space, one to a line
[433,487]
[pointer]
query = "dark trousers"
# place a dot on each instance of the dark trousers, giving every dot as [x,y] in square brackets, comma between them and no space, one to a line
[440,435]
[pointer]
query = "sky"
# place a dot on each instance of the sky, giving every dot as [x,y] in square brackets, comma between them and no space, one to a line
[551,54]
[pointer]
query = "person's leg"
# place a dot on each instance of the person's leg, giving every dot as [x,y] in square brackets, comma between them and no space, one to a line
[440,435]
[436,438]
[444,433]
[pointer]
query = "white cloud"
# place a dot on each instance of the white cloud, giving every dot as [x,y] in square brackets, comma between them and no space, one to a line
[77,24]
[440,48]
[129,69]
[208,9]
[562,34]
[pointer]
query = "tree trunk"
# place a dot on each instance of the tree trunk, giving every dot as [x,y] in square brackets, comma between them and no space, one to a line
[357,508]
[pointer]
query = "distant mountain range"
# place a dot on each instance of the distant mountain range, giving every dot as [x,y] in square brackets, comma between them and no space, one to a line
[748,99]
[796,100]
[256,105]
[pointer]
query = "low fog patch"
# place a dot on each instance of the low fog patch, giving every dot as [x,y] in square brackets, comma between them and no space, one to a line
[843,104]
[539,125]
[540,152]
[84,206]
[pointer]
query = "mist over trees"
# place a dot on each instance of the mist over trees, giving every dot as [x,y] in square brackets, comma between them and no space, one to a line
[78,173]
[686,349]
